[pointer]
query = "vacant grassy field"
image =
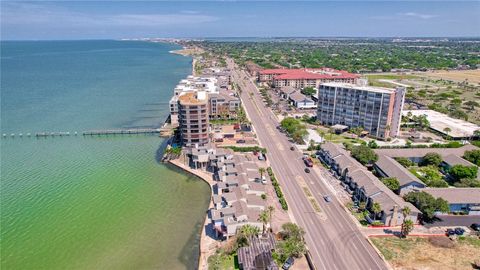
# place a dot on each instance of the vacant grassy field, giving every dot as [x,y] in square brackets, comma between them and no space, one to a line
[424,253]
[473,76]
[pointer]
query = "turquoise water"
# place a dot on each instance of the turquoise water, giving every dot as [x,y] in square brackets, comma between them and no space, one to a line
[93,202]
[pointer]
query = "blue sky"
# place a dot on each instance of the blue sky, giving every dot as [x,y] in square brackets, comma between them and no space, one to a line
[133,19]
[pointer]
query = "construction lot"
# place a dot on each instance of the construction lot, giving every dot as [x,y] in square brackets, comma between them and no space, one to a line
[437,253]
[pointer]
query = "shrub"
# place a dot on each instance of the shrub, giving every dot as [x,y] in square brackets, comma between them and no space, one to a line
[473,156]
[427,204]
[392,183]
[405,162]
[433,159]
[460,172]
[364,154]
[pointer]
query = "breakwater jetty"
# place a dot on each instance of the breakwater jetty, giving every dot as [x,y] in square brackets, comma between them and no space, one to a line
[164,131]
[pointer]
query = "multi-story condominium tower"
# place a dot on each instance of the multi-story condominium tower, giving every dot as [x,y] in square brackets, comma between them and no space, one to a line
[305,77]
[377,110]
[222,103]
[193,118]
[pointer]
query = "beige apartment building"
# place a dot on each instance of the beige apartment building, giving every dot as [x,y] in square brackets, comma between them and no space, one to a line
[193,118]
[377,110]
[305,77]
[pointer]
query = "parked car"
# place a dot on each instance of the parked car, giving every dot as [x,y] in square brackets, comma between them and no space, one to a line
[260,157]
[307,170]
[459,231]
[327,198]
[240,141]
[475,227]
[288,263]
[292,148]
[450,232]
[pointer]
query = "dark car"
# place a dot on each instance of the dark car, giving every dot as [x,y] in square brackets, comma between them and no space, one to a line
[459,231]
[307,170]
[450,232]
[475,227]
[288,263]
[292,148]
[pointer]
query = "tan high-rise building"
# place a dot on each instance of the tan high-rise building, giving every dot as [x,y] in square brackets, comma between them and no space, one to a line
[193,118]
[378,110]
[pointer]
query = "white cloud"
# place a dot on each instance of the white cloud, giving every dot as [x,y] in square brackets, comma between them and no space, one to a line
[48,14]
[417,15]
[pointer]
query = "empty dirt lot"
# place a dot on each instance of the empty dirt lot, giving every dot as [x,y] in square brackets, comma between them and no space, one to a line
[423,253]
[473,76]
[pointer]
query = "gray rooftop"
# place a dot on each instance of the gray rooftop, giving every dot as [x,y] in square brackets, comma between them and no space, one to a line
[392,168]
[258,254]
[420,152]
[456,195]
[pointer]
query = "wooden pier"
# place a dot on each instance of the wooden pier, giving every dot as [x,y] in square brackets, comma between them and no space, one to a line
[164,131]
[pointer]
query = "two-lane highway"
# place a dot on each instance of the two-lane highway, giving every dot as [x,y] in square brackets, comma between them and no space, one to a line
[334,241]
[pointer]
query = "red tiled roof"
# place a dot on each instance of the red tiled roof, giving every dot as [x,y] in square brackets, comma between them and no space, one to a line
[275,71]
[309,73]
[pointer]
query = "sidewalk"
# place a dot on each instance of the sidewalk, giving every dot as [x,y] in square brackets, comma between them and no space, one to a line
[418,230]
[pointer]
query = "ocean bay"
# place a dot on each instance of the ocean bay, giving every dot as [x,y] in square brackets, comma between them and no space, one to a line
[93,202]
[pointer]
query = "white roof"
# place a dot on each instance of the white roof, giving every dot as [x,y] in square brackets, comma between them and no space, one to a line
[360,87]
[439,121]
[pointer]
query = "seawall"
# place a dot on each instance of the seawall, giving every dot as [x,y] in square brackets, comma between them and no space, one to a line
[205,241]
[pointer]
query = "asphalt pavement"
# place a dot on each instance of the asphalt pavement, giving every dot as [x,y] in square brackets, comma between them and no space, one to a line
[333,239]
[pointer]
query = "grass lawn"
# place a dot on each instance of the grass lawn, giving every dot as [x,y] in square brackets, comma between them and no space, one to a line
[223,262]
[336,138]
[423,253]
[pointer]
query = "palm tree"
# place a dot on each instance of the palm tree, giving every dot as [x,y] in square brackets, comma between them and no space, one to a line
[270,209]
[407,227]
[405,212]
[447,130]
[376,208]
[261,171]
[264,218]
[249,230]
[362,205]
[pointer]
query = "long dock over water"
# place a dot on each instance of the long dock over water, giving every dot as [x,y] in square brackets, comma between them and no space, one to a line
[103,132]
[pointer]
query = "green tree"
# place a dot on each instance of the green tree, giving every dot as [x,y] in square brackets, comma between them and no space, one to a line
[264,217]
[364,154]
[473,156]
[427,204]
[261,171]
[362,205]
[249,230]
[308,91]
[392,183]
[270,209]
[405,162]
[372,144]
[407,227]
[376,208]
[460,172]
[433,159]
[293,244]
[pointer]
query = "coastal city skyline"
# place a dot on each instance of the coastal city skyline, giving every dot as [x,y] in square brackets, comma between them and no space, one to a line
[60,20]
[240,135]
